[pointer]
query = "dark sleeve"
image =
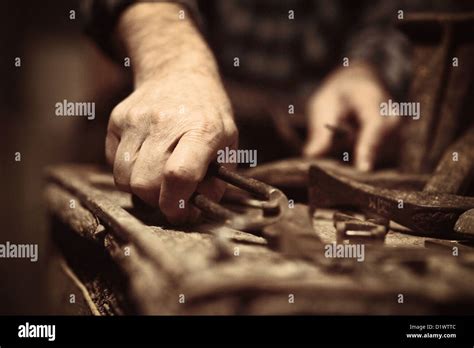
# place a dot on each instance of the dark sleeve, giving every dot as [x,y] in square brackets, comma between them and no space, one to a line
[378,41]
[101,16]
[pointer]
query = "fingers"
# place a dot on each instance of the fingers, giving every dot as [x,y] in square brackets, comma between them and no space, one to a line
[214,188]
[325,109]
[147,173]
[185,168]
[125,157]
[161,150]
[372,135]
[354,94]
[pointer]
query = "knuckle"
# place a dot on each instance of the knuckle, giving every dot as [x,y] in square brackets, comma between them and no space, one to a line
[137,117]
[137,112]
[180,174]
[211,128]
[118,111]
[116,120]
[213,132]
[207,134]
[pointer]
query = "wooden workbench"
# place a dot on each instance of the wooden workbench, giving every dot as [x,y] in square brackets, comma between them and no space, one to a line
[151,268]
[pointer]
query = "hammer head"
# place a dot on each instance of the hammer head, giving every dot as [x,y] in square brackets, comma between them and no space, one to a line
[424,212]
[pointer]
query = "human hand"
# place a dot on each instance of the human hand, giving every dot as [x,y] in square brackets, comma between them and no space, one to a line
[350,92]
[161,139]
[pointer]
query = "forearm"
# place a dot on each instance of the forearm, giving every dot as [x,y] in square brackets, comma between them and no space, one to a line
[158,41]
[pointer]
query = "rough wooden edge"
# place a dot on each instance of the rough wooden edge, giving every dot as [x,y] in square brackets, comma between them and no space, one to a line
[85,293]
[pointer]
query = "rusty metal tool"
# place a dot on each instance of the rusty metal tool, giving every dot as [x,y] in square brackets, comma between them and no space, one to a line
[454,174]
[264,207]
[354,230]
[423,212]
[271,202]
[294,235]
[433,210]
[256,203]
[455,170]
[292,176]
[372,218]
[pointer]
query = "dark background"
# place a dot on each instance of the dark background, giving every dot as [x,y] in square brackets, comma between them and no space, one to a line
[57,62]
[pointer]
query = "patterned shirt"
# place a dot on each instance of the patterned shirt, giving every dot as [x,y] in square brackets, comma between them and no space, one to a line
[287,43]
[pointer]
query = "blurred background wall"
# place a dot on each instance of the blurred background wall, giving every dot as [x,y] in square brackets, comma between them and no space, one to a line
[57,63]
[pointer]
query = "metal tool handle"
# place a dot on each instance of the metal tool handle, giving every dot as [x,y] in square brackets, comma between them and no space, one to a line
[272,202]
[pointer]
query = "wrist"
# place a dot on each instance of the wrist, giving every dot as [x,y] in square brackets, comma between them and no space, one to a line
[179,66]
[159,42]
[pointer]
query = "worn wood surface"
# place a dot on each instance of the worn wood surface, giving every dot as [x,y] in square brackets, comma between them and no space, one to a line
[161,270]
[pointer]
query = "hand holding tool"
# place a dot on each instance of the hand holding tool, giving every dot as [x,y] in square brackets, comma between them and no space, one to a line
[257,204]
